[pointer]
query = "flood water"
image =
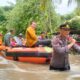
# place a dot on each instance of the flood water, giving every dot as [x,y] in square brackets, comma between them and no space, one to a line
[28,71]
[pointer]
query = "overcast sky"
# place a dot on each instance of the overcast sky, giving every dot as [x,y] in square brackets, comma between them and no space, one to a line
[61,9]
[5,2]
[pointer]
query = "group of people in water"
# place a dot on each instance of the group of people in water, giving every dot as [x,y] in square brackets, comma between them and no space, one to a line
[61,44]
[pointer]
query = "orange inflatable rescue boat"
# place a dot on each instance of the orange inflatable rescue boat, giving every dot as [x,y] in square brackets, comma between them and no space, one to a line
[38,55]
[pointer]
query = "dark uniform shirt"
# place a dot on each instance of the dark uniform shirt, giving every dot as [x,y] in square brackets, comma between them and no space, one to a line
[60,58]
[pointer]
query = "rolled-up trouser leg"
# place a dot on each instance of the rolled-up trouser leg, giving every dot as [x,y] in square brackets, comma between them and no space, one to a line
[59,69]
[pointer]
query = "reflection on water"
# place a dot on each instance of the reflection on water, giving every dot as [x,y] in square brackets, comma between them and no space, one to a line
[27,71]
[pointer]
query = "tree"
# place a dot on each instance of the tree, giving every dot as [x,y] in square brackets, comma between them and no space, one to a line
[41,11]
[2,16]
[3,19]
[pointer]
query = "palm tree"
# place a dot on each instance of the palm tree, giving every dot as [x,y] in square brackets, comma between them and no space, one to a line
[69,2]
[49,15]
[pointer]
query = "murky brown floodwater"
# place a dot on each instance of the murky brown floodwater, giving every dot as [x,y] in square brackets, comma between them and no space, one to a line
[27,71]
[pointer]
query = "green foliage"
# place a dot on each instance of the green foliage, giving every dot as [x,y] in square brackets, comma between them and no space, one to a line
[75,24]
[26,11]
[2,16]
[77,11]
[3,19]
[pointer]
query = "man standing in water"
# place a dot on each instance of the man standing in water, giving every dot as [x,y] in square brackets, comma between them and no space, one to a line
[61,44]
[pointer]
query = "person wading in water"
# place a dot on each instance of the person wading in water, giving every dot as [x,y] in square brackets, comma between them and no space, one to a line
[61,45]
